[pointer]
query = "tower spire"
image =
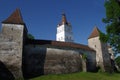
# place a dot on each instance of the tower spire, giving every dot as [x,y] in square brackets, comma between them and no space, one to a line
[64,19]
[15,18]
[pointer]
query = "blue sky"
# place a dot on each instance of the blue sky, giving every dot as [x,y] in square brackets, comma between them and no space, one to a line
[42,16]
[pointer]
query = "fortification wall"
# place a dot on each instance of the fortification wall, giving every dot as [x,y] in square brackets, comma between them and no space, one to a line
[43,59]
[17,56]
[11,45]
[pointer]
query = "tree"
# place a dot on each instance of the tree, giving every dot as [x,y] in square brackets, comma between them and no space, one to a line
[117,60]
[112,21]
[30,36]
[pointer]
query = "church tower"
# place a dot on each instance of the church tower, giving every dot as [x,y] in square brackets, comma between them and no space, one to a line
[102,55]
[64,31]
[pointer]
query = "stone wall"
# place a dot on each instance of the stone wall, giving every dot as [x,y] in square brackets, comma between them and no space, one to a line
[11,48]
[102,55]
[17,56]
[106,58]
[43,59]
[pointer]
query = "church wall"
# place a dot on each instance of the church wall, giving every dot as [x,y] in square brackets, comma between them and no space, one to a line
[68,33]
[61,36]
[46,59]
[64,33]
[60,33]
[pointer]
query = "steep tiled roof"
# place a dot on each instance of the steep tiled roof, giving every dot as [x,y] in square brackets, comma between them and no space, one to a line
[60,44]
[64,20]
[94,33]
[14,18]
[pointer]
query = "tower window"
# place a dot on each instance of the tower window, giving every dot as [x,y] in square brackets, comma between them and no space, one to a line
[95,46]
[70,38]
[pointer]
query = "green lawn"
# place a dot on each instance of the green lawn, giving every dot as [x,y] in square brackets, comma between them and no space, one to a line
[80,76]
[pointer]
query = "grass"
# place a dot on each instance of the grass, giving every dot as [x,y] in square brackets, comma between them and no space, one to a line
[80,76]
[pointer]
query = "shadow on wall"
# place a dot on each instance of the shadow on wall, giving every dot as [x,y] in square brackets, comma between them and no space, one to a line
[91,63]
[33,61]
[5,74]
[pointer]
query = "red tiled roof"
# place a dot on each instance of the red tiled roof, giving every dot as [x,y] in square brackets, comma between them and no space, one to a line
[14,18]
[64,20]
[60,44]
[94,33]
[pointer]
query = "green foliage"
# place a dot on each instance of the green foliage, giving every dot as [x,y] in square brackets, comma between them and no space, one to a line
[19,79]
[84,56]
[112,10]
[80,76]
[100,69]
[103,37]
[112,21]
[30,36]
[117,60]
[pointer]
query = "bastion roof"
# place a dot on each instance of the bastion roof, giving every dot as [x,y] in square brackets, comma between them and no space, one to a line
[95,33]
[14,18]
[60,44]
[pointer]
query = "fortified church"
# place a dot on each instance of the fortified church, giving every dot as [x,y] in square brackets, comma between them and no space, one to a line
[28,58]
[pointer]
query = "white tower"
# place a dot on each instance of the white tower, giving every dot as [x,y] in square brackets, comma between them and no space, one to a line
[64,31]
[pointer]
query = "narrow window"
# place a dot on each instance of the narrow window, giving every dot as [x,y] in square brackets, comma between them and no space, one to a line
[95,46]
